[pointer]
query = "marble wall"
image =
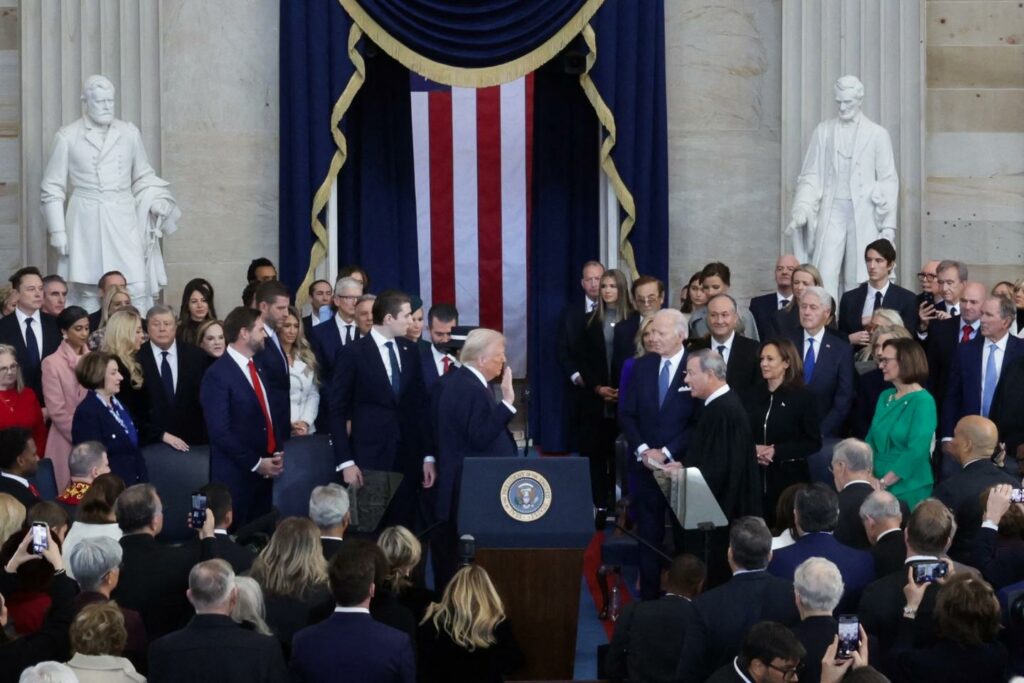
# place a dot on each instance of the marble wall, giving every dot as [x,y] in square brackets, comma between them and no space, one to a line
[10,132]
[974,191]
[723,70]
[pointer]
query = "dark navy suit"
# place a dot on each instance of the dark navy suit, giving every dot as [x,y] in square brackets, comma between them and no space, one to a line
[389,432]
[851,307]
[238,436]
[326,341]
[665,426]
[11,333]
[764,308]
[274,371]
[469,424]
[93,421]
[832,380]
[963,390]
[352,647]
[856,566]
[430,374]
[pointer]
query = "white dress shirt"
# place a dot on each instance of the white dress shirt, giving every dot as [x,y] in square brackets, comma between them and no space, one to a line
[727,344]
[343,328]
[380,340]
[817,343]
[782,300]
[37,328]
[439,360]
[869,300]
[303,394]
[172,360]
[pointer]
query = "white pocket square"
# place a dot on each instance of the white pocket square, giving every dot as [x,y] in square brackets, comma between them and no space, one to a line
[684,388]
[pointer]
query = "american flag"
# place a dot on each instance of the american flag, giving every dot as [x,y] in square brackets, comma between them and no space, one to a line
[472,156]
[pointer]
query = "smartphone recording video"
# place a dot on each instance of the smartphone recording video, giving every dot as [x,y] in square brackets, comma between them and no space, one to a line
[198,513]
[1017,496]
[40,538]
[929,571]
[849,636]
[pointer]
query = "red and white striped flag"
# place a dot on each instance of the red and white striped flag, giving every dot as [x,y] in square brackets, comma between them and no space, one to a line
[472,155]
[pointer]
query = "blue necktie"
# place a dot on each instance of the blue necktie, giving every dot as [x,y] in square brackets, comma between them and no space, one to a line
[395,370]
[721,351]
[809,361]
[991,379]
[166,376]
[31,345]
[663,381]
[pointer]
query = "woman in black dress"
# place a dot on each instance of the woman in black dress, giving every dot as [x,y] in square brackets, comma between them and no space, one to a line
[784,421]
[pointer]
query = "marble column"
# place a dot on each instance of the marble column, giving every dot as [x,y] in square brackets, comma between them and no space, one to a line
[880,42]
[63,43]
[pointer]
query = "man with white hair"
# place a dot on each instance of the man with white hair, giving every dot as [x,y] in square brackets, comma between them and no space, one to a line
[95,563]
[329,510]
[881,513]
[655,416]
[468,424]
[847,192]
[828,360]
[213,647]
[119,208]
[328,338]
[852,474]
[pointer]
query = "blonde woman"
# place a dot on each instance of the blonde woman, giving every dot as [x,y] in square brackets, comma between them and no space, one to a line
[883,317]
[292,572]
[122,340]
[304,390]
[467,637]
[250,610]
[786,322]
[12,516]
[868,383]
[98,638]
[115,299]
[403,552]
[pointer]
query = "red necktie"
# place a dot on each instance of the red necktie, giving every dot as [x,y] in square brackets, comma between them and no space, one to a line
[967,334]
[447,364]
[33,490]
[271,443]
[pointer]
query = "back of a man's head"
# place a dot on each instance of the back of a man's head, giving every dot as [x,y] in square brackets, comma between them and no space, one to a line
[686,575]
[769,641]
[328,505]
[855,453]
[350,573]
[136,508]
[218,499]
[818,585]
[817,508]
[750,541]
[84,457]
[211,585]
[931,528]
[881,506]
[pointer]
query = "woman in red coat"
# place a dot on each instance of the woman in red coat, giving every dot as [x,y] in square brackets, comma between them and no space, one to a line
[19,406]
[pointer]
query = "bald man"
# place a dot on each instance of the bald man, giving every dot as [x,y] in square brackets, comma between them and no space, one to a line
[764,307]
[975,439]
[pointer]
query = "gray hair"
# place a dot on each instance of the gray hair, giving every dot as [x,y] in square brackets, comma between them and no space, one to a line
[850,83]
[84,457]
[1007,309]
[723,295]
[961,268]
[366,297]
[328,505]
[250,606]
[210,584]
[159,309]
[710,361]
[93,558]
[678,321]
[345,284]
[823,296]
[855,453]
[477,343]
[881,505]
[48,672]
[750,542]
[818,584]
[94,82]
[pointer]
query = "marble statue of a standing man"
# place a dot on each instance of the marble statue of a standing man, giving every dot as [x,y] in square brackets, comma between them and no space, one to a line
[846,193]
[118,210]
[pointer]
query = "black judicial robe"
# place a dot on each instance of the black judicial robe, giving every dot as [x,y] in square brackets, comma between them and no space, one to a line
[722,448]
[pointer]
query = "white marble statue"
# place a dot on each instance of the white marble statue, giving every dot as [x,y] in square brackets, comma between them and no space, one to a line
[119,208]
[846,193]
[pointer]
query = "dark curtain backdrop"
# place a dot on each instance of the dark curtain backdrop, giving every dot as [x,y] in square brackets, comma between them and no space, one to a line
[564,236]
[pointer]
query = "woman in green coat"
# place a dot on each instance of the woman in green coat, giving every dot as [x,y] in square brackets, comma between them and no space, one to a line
[902,431]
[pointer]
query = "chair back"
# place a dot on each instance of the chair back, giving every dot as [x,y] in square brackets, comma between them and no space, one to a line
[176,474]
[45,480]
[308,463]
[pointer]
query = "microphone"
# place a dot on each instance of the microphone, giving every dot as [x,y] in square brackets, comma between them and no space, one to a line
[467,550]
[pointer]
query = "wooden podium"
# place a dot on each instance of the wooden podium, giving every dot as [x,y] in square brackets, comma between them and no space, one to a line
[531,519]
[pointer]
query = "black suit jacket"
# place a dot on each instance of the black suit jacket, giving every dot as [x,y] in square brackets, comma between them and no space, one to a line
[850,530]
[724,615]
[182,416]
[851,305]
[962,494]
[214,648]
[881,609]
[1000,560]
[10,333]
[764,308]
[154,578]
[624,345]
[1008,407]
[940,346]
[648,638]
[224,547]
[574,318]
[19,491]
[889,553]
[330,546]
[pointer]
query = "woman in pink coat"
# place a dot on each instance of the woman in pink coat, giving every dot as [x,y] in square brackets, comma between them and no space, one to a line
[61,390]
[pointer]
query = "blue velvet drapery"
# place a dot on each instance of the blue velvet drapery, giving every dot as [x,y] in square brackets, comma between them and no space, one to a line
[371,144]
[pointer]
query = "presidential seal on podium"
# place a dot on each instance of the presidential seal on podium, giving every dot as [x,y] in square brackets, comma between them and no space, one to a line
[525,495]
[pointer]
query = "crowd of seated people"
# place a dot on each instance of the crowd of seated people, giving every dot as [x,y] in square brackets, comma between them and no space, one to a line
[876,435]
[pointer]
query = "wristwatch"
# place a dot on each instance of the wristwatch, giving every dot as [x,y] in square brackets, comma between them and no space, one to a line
[909,612]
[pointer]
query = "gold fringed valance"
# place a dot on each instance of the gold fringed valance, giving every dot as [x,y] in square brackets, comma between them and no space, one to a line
[481,77]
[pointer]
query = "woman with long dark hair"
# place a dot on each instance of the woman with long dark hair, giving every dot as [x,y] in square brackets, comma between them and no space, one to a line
[196,309]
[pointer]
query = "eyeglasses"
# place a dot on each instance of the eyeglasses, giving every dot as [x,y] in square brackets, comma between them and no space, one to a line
[653,298]
[788,674]
[882,360]
[926,276]
[348,297]
[9,368]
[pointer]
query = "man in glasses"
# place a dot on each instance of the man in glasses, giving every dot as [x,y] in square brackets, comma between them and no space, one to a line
[649,297]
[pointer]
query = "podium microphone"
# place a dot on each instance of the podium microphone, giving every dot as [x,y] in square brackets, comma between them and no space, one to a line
[467,550]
